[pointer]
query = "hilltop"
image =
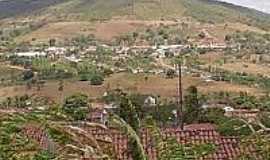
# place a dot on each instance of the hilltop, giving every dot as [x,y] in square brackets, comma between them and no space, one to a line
[201,10]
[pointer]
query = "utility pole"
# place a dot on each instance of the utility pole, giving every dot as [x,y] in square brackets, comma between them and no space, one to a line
[180,115]
[161,9]
[132,7]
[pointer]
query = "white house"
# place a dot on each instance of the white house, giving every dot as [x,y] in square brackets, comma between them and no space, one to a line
[73,59]
[56,50]
[31,54]
[150,101]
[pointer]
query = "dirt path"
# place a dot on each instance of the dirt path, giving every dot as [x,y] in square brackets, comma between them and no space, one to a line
[16,67]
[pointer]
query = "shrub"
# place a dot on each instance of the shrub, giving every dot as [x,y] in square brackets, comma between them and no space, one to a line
[96,79]
[170,73]
[28,75]
[76,106]
[84,77]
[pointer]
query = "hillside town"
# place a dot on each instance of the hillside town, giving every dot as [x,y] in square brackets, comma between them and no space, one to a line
[133,80]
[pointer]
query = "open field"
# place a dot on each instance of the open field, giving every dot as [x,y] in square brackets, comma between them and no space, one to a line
[66,30]
[102,30]
[250,68]
[7,72]
[107,30]
[210,57]
[136,83]
[59,30]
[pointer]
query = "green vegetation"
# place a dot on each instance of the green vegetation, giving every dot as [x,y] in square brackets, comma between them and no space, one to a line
[201,10]
[250,42]
[161,35]
[33,127]
[73,138]
[242,78]
[193,111]
[76,106]
[162,113]
[96,80]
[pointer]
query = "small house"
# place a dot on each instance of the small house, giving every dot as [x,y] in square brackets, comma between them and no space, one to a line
[150,101]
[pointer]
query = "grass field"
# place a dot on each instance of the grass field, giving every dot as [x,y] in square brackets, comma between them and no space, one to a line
[8,73]
[246,67]
[107,30]
[134,83]
[66,30]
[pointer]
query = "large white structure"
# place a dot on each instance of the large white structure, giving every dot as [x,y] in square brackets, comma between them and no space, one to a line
[31,54]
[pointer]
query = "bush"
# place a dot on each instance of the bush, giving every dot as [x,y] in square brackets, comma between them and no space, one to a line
[96,80]
[28,75]
[170,73]
[84,77]
[43,155]
[107,72]
[76,106]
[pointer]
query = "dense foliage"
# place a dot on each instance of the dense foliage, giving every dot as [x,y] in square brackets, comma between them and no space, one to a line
[76,106]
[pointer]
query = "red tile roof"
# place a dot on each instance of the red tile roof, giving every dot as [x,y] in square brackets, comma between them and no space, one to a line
[38,134]
[227,148]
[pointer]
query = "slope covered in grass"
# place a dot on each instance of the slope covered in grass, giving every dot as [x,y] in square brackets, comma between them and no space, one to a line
[10,8]
[201,10]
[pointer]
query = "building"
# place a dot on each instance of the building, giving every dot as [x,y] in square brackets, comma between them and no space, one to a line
[73,59]
[30,54]
[226,148]
[150,101]
[248,114]
[98,116]
[56,51]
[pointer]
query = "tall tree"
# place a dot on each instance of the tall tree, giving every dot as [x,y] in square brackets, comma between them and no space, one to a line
[192,106]
[128,113]
[134,143]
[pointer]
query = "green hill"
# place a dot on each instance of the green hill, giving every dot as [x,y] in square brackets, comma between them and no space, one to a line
[202,10]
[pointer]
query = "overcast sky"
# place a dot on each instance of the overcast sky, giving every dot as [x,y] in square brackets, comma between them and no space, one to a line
[262,5]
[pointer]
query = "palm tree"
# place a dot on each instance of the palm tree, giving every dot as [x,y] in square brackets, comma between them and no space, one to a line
[133,138]
[82,143]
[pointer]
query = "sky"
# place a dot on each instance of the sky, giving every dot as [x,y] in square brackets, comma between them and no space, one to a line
[261,5]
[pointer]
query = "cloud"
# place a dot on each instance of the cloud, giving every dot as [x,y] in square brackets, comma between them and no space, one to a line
[262,5]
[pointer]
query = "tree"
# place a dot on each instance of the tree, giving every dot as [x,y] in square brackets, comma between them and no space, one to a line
[76,106]
[28,75]
[193,110]
[128,113]
[146,78]
[52,42]
[202,35]
[134,142]
[170,73]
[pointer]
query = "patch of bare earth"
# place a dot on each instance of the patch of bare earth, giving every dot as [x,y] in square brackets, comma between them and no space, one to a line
[102,30]
[59,30]
[210,57]
[155,85]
